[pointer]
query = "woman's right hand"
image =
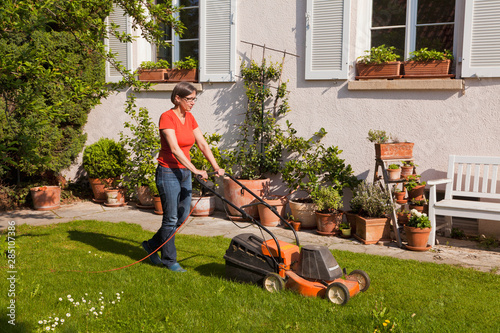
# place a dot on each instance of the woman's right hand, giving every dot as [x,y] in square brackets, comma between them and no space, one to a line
[202,173]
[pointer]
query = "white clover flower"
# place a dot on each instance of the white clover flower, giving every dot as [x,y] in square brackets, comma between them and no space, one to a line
[60,299]
[100,293]
[84,300]
[40,322]
[68,314]
[56,318]
[100,312]
[47,328]
[77,303]
[102,307]
[45,322]
[69,296]
[113,302]
[62,320]
[95,313]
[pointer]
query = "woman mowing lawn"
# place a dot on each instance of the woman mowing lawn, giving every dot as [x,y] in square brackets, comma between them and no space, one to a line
[178,132]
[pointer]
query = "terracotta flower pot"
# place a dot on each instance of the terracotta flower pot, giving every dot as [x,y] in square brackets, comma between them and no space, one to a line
[239,197]
[427,68]
[178,75]
[346,233]
[305,212]
[46,197]
[375,71]
[328,224]
[403,218]
[296,225]
[205,206]
[267,217]
[406,171]
[115,197]
[417,238]
[394,174]
[416,193]
[400,197]
[153,75]
[157,204]
[145,197]
[372,230]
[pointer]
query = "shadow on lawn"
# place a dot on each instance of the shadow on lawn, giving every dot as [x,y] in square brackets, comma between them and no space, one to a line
[213,269]
[107,243]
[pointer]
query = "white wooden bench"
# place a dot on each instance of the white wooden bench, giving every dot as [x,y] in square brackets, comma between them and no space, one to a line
[468,176]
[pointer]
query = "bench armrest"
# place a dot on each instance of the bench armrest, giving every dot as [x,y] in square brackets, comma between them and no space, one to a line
[439,181]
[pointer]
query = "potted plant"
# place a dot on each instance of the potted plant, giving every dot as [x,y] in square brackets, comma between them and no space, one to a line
[311,165]
[104,162]
[153,71]
[142,143]
[394,171]
[184,70]
[399,195]
[424,63]
[202,198]
[407,168]
[293,222]
[371,204]
[417,231]
[414,187]
[403,216]
[46,197]
[378,62]
[345,228]
[260,144]
[328,215]
[420,205]
[388,147]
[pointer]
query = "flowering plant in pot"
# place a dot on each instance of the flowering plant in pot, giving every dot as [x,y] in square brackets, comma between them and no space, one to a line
[328,203]
[371,204]
[417,231]
[388,147]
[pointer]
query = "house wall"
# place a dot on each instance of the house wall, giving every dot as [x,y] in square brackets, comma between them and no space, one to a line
[440,123]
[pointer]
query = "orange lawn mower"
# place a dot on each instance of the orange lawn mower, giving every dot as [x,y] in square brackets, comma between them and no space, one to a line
[310,270]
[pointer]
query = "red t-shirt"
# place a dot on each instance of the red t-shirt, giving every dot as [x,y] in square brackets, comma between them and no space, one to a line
[183,133]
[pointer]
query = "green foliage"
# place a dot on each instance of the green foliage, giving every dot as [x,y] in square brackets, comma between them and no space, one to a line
[260,146]
[418,220]
[187,63]
[378,136]
[312,164]
[52,57]
[155,65]
[427,55]
[104,159]
[142,145]
[378,55]
[370,200]
[327,199]
[394,166]
[412,182]
[201,163]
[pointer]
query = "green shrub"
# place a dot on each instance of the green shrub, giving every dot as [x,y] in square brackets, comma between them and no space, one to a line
[378,55]
[187,63]
[327,199]
[104,159]
[370,200]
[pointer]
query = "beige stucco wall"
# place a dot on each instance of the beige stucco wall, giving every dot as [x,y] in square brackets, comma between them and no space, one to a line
[438,122]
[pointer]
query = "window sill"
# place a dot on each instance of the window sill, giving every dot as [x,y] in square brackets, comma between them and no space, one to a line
[169,87]
[408,84]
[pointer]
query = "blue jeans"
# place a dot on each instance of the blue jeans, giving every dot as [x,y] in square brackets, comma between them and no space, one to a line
[175,188]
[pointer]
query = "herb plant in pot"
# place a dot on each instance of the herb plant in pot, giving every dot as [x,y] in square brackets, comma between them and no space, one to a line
[378,62]
[388,148]
[371,204]
[328,214]
[424,63]
[345,229]
[184,70]
[407,168]
[417,231]
[394,171]
[104,162]
[153,71]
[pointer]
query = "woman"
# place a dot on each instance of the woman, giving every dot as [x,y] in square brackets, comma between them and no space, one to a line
[178,132]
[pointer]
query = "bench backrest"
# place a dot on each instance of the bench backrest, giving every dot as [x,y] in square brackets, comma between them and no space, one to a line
[473,176]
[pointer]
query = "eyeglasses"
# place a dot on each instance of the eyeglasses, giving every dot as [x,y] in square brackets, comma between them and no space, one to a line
[188,99]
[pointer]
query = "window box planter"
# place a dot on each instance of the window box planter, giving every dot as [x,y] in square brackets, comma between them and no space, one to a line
[386,70]
[178,75]
[394,151]
[427,69]
[153,75]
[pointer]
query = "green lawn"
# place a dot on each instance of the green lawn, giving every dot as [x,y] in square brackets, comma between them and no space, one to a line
[417,297]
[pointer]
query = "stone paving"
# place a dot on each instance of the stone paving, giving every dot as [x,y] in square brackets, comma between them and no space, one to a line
[450,251]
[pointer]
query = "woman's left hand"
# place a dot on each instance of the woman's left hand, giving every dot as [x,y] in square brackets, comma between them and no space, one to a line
[220,172]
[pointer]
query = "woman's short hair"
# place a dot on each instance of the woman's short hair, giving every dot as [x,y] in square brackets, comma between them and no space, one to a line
[182,89]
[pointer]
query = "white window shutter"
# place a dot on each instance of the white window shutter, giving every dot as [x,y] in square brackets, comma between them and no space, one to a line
[327,39]
[123,51]
[481,46]
[217,40]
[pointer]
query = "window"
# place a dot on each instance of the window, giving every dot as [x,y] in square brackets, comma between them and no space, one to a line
[188,44]
[413,24]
